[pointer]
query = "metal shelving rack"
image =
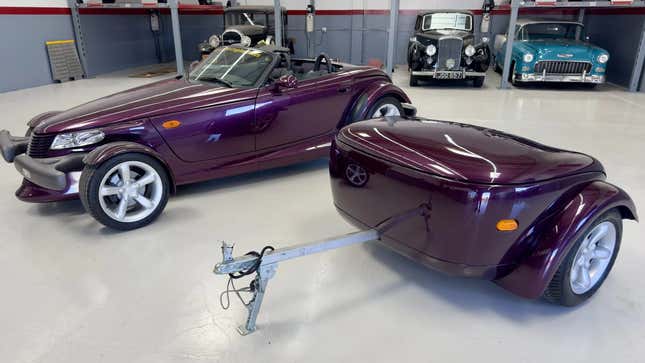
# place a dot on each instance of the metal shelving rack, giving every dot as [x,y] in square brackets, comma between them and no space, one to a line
[516,5]
[172,5]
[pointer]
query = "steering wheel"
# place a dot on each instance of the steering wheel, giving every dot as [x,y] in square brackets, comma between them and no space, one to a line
[319,60]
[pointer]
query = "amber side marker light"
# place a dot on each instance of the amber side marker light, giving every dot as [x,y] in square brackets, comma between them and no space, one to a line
[171,124]
[506,225]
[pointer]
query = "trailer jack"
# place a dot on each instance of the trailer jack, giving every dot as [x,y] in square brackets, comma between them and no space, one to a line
[264,265]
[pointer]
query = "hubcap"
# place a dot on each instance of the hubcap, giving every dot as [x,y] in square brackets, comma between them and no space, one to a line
[593,257]
[130,191]
[387,109]
[356,175]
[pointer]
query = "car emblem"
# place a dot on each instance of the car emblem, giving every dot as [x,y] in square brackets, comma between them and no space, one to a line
[356,175]
[565,55]
[450,63]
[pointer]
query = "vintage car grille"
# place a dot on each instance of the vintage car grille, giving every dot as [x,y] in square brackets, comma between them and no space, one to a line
[449,48]
[39,145]
[562,67]
[231,37]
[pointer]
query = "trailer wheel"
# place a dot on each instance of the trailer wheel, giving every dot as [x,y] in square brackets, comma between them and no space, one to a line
[587,265]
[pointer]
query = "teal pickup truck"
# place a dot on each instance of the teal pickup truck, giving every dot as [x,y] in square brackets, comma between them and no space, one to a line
[552,51]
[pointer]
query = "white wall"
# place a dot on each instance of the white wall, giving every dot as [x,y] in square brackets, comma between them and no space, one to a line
[41,3]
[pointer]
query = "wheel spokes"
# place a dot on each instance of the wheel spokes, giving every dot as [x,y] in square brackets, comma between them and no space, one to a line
[106,191]
[144,202]
[601,253]
[146,179]
[124,172]
[122,208]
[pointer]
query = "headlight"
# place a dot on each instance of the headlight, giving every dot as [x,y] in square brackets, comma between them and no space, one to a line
[77,139]
[245,41]
[528,58]
[413,39]
[431,50]
[470,50]
[603,58]
[214,41]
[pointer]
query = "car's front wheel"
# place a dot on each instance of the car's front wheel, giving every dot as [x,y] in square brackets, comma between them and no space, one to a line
[125,192]
[478,82]
[386,106]
[587,265]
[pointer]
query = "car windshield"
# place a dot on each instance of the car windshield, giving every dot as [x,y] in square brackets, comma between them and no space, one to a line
[233,67]
[539,31]
[245,18]
[438,21]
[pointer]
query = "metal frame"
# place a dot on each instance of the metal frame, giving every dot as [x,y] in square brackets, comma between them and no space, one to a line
[582,5]
[392,35]
[277,17]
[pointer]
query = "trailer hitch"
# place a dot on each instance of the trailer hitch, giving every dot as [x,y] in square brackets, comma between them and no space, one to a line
[264,265]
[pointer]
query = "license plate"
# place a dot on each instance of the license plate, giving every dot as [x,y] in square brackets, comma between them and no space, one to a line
[449,75]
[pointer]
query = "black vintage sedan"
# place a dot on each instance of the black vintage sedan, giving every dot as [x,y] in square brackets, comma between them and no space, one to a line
[444,47]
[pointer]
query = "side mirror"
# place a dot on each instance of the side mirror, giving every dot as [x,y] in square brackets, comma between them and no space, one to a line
[287,81]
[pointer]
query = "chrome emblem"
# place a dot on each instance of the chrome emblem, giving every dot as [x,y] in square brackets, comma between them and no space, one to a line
[450,63]
[565,55]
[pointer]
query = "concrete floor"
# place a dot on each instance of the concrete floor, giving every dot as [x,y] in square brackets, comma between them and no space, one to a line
[76,292]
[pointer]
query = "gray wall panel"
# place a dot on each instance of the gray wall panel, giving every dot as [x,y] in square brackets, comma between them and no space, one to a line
[23,56]
[621,42]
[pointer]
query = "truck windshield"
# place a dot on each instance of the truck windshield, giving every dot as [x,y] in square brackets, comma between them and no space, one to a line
[457,21]
[233,67]
[551,31]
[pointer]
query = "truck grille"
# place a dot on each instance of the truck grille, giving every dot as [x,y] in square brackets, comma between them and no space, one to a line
[39,145]
[562,67]
[449,48]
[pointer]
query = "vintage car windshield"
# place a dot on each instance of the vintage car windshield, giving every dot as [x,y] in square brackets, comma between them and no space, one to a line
[546,31]
[245,18]
[438,21]
[233,66]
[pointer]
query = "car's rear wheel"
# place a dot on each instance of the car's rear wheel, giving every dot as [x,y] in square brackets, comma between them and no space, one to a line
[386,107]
[587,265]
[126,192]
[478,82]
[414,81]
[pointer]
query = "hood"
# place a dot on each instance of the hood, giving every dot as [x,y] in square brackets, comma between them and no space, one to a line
[247,29]
[560,49]
[150,100]
[435,35]
[464,152]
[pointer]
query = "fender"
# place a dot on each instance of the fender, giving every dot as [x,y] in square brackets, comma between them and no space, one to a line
[107,151]
[371,94]
[531,277]
[36,120]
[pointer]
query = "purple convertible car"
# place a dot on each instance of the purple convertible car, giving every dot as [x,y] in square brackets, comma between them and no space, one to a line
[240,110]
[535,219]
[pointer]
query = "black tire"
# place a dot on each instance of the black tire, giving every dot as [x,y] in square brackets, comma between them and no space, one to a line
[90,181]
[413,81]
[478,82]
[559,290]
[384,101]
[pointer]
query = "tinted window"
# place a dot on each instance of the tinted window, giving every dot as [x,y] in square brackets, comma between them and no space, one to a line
[458,21]
[551,31]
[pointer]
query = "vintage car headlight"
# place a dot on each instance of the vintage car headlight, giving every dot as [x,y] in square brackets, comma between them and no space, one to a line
[470,50]
[413,39]
[245,41]
[77,139]
[528,58]
[603,58]
[431,50]
[214,41]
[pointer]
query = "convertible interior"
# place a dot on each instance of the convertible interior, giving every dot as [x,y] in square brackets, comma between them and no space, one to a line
[303,69]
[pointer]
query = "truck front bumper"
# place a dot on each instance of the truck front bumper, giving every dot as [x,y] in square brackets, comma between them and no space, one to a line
[565,78]
[46,180]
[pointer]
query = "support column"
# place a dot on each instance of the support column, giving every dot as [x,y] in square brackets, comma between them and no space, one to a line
[277,17]
[78,35]
[392,35]
[515,7]
[176,35]
[638,64]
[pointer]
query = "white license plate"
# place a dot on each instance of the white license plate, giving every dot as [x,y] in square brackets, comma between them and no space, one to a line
[450,75]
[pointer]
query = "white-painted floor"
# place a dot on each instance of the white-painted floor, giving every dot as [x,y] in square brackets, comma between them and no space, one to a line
[73,291]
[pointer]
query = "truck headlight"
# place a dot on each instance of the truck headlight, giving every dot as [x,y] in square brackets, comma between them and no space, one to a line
[603,58]
[431,50]
[470,50]
[214,41]
[245,41]
[77,139]
[528,58]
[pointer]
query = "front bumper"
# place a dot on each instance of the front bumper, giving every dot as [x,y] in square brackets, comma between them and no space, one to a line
[441,74]
[566,78]
[47,179]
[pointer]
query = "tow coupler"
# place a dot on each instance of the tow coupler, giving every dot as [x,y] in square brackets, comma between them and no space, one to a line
[265,263]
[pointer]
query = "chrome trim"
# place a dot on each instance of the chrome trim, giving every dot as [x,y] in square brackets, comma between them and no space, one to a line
[536,77]
[434,73]
[563,61]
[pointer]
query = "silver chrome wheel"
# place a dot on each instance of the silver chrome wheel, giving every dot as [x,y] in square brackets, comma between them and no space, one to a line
[130,191]
[386,109]
[356,175]
[593,257]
